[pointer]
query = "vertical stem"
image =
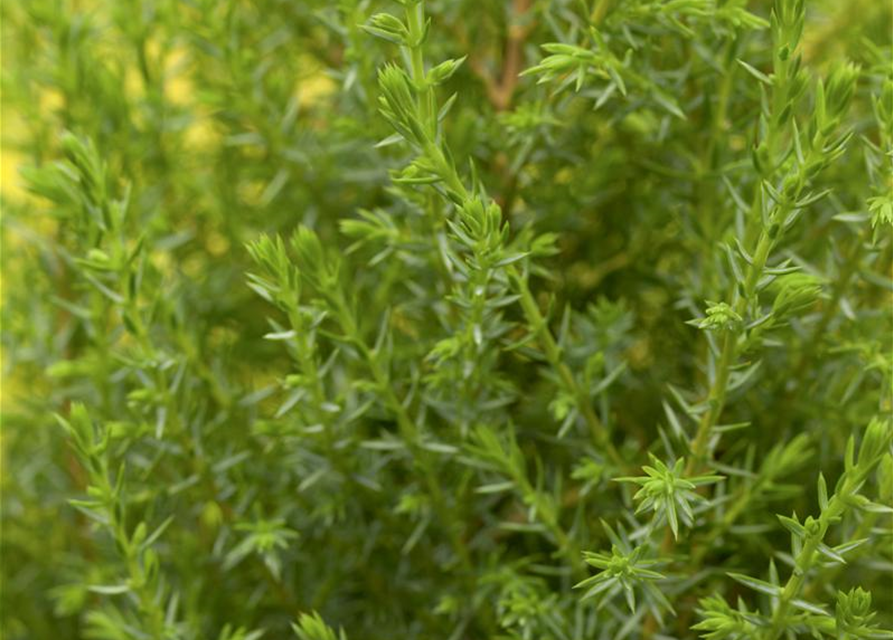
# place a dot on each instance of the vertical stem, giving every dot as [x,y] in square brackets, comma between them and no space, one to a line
[415,21]
[803,563]
[716,401]
[717,395]
[599,12]
[407,426]
[553,355]
[779,96]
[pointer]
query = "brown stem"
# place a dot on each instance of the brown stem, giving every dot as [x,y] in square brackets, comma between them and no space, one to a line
[500,92]
[514,56]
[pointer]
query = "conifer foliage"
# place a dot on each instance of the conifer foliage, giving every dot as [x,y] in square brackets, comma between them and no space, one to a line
[529,319]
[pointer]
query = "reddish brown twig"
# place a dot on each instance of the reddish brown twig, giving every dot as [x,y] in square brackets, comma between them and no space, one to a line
[501,91]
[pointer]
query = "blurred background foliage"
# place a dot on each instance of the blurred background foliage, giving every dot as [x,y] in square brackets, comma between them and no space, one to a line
[220,120]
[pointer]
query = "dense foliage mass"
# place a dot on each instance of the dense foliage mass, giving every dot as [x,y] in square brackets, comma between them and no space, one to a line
[531,319]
